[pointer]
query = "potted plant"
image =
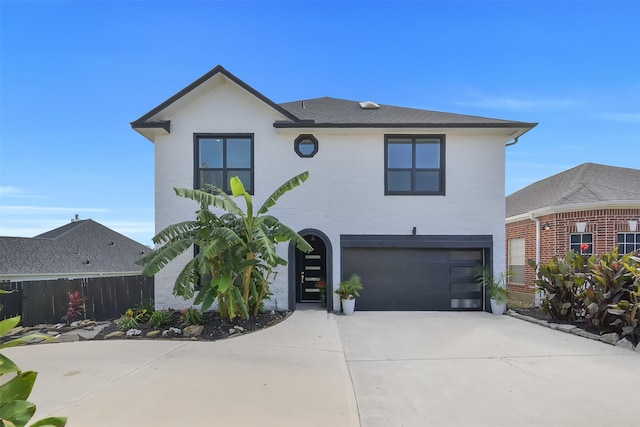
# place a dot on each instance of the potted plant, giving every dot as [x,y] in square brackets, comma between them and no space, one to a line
[321,285]
[348,291]
[497,286]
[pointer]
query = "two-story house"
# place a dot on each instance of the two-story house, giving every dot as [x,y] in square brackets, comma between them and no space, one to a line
[409,199]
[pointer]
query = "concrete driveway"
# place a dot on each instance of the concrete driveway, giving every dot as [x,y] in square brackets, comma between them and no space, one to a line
[292,374]
[476,369]
[372,369]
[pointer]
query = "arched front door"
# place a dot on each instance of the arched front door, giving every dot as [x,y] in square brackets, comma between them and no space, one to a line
[310,269]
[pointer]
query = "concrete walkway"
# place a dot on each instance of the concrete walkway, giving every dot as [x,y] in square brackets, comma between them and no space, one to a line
[475,369]
[292,374]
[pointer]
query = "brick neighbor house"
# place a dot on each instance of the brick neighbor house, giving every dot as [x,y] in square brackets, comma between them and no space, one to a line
[591,208]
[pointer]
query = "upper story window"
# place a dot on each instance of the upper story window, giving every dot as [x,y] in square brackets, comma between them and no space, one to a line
[582,243]
[218,158]
[306,145]
[628,242]
[414,164]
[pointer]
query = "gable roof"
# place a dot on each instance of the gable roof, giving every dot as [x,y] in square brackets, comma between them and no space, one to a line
[66,249]
[154,120]
[323,113]
[334,112]
[587,184]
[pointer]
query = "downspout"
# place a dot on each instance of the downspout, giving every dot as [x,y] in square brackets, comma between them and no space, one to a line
[537,300]
[515,141]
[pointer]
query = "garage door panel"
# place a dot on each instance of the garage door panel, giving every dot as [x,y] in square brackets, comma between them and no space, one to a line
[414,279]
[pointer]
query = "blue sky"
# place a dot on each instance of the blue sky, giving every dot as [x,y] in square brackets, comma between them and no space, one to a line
[74,74]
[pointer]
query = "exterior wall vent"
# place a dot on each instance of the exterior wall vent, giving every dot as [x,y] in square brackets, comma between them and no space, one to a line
[369,105]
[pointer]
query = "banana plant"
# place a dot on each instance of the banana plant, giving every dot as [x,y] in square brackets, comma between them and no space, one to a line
[236,250]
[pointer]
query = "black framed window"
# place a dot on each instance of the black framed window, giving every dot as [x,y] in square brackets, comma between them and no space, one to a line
[306,145]
[218,158]
[581,243]
[628,242]
[414,164]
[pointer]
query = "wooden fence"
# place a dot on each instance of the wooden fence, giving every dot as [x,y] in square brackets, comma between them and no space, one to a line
[46,301]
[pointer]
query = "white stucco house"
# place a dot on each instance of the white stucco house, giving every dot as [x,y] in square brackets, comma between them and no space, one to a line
[411,200]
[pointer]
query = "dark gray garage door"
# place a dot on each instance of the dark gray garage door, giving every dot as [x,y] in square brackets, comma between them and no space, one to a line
[415,278]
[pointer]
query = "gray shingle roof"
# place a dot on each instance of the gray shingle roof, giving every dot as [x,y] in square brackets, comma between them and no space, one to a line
[324,113]
[65,250]
[334,111]
[584,184]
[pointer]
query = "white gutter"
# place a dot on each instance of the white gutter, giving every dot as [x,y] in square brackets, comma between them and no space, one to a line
[538,298]
[547,210]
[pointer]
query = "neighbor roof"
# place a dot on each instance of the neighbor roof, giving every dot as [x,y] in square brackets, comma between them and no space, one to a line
[65,250]
[586,184]
[323,113]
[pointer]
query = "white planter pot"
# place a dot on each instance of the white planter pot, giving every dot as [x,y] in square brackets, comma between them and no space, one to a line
[498,308]
[348,305]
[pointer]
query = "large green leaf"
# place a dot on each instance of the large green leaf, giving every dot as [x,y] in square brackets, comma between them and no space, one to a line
[222,238]
[18,387]
[175,231]
[7,366]
[287,186]
[187,280]
[8,324]
[222,283]
[51,422]
[205,298]
[18,412]
[156,261]
[218,200]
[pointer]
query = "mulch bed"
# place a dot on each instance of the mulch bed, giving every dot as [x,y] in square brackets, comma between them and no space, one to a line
[215,328]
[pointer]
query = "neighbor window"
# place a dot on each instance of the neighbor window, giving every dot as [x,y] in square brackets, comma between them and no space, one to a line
[218,158]
[628,242]
[414,164]
[516,260]
[582,243]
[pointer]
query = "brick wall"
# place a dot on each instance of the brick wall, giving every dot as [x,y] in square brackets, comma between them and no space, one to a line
[605,224]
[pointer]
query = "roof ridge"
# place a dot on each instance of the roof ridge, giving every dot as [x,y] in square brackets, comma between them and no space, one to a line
[578,187]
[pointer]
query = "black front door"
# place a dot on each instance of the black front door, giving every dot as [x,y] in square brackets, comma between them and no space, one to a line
[310,269]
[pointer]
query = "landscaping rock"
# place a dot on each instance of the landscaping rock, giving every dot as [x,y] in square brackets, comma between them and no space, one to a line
[582,333]
[193,330]
[152,334]
[625,343]
[115,334]
[611,338]
[69,337]
[638,348]
[134,333]
[14,331]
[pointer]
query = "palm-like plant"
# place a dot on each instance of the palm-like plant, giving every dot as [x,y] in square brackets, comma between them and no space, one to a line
[237,250]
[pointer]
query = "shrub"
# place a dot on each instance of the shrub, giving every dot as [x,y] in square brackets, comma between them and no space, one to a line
[563,284]
[613,300]
[75,307]
[606,293]
[192,316]
[350,287]
[132,319]
[160,318]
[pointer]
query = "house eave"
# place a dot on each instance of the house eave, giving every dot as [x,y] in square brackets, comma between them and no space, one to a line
[310,125]
[549,210]
[152,129]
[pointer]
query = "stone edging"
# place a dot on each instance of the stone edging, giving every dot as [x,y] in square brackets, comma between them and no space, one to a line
[612,338]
